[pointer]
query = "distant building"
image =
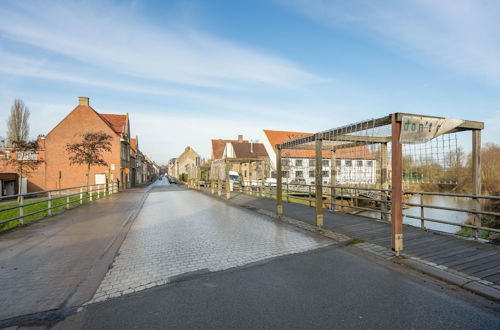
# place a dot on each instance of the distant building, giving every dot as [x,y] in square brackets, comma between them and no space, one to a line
[186,161]
[249,159]
[354,165]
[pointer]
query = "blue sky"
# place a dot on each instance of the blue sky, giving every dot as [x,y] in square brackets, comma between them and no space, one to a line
[189,71]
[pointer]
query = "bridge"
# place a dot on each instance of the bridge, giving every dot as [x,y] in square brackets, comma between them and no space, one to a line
[263,255]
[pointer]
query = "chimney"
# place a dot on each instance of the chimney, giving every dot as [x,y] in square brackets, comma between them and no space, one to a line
[83,100]
[251,146]
[240,138]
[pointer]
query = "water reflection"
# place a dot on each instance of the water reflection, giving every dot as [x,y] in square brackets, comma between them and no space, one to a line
[445,201]
[445,215]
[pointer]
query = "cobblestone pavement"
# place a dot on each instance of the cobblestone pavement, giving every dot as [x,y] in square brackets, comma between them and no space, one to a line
[181,231]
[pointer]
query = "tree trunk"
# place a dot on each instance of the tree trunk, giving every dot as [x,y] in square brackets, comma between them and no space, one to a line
[87,177]
[20,184]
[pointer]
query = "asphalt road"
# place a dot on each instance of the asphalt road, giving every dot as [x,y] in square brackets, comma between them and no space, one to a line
[323,288]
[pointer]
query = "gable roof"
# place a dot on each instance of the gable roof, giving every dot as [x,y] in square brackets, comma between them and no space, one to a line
[133,143]
[219,145]
[116,122]
[248,150]
[278,137]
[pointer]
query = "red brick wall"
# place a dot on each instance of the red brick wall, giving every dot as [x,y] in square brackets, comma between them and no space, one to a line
[81,120]
[36,180]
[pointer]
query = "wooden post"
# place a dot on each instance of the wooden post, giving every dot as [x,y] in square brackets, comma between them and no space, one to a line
[262,176]
[333,179]
[250,177]
[49,204]
[212,181]
[319,181]
[228,181]
[422,214]
[67,202]
[90,194]
[219,182]
[198,176]
[21,210]
[397,188]
[383,181]
[279,185]
[81,193]
[476,176]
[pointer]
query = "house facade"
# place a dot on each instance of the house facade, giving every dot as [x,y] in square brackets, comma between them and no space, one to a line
[83,119]
[249,159]
[186,161]
[354,165]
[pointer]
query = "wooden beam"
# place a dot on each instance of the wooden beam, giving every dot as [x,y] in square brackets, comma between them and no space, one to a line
[333,179]
[476,175]
[383,179]
[397,188]
[228,181]
[279,186]
[466,125]
[319,183]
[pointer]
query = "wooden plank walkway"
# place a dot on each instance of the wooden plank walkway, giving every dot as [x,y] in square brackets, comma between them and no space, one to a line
[467,256]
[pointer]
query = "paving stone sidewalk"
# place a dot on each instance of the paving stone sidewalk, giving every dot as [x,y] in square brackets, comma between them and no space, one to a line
[179,233]
[42,264]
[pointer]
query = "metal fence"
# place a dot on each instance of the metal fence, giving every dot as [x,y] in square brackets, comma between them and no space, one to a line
[16,210]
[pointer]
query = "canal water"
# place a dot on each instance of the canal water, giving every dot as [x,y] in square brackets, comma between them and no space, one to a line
[445,215]
[445,201]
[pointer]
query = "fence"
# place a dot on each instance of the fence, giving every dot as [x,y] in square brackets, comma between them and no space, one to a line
[351,199]
[16,210]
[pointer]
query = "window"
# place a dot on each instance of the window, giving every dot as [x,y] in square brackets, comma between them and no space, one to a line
[348,163]
[311,174]
[360,163]
[369,163]
[286,162]
[326,162]
[125,151]
[339,163]
[325,173]
[273,174]
[299,174]
[245,175]
[312,162]
[298,162]
[284,174]
[26,155]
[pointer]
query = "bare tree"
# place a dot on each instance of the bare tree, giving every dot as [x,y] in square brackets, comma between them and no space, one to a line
[89,151]
[18,128]
[24,159]
[490,168]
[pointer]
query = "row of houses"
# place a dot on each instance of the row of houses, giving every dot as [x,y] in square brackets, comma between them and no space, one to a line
[256,161]
[126,164]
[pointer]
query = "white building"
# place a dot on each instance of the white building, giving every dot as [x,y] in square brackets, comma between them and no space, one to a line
[354,166]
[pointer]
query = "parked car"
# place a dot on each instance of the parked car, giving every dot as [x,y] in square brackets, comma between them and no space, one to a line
[171,179]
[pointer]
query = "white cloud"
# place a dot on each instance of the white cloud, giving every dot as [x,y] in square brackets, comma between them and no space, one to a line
[459,34]
[117,39]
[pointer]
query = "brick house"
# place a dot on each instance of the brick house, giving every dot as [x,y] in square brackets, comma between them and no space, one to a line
[83,119]
[9,179]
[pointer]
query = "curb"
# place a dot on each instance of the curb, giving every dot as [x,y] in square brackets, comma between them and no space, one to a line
[463,281]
